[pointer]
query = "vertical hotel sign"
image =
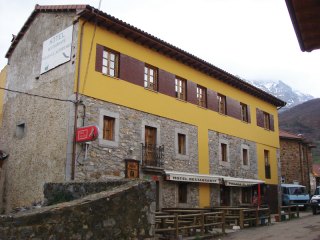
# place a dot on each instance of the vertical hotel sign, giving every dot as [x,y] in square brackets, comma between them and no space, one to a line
[56,50]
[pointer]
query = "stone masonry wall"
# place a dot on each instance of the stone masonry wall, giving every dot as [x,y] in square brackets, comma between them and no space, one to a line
[108,161]
[234,167]
[39,154]
[126,212]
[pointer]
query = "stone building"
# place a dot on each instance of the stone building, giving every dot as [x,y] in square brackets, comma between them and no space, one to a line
[296,159]
[206,137]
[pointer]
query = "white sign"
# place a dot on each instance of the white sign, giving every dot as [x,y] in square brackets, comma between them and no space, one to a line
[192,178]
[56,50]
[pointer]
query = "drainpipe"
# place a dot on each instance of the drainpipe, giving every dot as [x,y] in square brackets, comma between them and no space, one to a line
[74,147]
[300,158]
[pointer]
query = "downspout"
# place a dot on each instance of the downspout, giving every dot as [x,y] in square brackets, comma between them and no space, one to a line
[301,170]
[77,101]
[308,167]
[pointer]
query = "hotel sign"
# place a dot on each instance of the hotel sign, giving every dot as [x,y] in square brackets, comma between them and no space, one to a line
[56,50]
[192,178]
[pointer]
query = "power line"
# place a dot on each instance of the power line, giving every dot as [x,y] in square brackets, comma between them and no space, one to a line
[36,95]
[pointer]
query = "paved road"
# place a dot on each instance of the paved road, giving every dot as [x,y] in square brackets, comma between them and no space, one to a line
[307,228]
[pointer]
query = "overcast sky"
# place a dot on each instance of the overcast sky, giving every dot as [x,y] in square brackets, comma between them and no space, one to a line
[252,39]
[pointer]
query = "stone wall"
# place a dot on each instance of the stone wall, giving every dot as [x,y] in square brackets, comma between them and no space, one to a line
[105,161]
[234,167]
[35,130]
[126,212]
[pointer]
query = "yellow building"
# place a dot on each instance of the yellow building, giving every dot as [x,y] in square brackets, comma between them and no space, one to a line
[206,137]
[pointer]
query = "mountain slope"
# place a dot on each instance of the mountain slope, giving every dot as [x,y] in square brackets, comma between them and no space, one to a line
[304,119]
[283,91]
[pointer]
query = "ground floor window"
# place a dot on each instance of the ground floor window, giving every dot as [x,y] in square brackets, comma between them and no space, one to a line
[183,192]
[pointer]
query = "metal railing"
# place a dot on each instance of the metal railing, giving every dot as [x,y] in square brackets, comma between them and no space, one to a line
[152,155]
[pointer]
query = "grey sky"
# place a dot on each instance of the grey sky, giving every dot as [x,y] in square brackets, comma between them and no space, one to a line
[252,39]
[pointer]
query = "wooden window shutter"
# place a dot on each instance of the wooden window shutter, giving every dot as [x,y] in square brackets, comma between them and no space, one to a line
[233,108]
[166,83]
[249,115]
[212,100]
[192,92]
[271,122]
[131,70]
[99,54]
[260,120]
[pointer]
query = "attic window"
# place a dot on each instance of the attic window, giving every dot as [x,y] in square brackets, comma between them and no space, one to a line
[20,130]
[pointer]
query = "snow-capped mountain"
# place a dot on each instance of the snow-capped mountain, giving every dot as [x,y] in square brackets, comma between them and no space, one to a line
[283,91]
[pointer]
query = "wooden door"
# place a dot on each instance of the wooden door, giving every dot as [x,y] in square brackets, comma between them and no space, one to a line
[150,143]
[224,196]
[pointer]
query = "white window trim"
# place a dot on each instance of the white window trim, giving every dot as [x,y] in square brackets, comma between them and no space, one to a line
[104,142]
[243,146]
[176,147]
[150,124]
[227,163]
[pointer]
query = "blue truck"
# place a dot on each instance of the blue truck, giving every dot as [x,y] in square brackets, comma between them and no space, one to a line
[295,194]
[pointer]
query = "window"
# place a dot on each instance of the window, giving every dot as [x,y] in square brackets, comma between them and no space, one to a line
[20,130]
[150,78]
[266,120]
[183,192]
[180,87]
[181,144]
[109,125]
[245,157]
[110,63]
[267,164]
[108,128]
[222,104]
[244,112]
[224,156]
[201,96]
[246,195]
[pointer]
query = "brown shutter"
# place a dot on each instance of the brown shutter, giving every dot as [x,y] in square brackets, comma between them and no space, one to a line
[191,92]
[131,70]
[166,83]
[271,122]
[212,100]
[260,122]
[233,108]
[249,114]
[99,54]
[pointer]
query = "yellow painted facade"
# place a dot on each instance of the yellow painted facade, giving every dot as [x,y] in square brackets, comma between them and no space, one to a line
[97,85]
[3,76]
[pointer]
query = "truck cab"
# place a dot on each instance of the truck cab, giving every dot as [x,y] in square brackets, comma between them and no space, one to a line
[315,201]
[294,194]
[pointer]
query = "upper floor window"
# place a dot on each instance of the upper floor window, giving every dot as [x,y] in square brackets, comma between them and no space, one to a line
[180,87]
[201,96]
[266,120]
[108,128]
[244,112]
[245,157]
[110,63]
[224,152]
[181,144]
[267,164]
[221,103]
[150,78]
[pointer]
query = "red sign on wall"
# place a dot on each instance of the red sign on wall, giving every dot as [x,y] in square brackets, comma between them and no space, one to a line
[86,134]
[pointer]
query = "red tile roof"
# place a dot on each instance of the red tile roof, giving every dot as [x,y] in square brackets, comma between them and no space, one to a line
[128,31]
[288,135]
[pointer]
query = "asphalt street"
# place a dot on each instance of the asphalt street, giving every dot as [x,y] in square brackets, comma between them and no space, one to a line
[307,227]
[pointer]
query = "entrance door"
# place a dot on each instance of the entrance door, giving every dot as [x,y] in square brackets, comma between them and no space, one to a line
[224,196]
[150,145]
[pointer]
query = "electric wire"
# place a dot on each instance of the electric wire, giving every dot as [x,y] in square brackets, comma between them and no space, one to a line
[36,95]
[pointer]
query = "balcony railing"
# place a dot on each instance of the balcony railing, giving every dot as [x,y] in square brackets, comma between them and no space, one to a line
[152,155]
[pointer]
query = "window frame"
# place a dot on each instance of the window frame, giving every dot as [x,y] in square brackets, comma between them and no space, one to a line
[108,128]
[245,147]
[178,155]
[147,78]
[267,168]
[106,142]
[109,53]
[244,112]
[266,120]
[180,88]
[201,96]
[225,143]
[222,104]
